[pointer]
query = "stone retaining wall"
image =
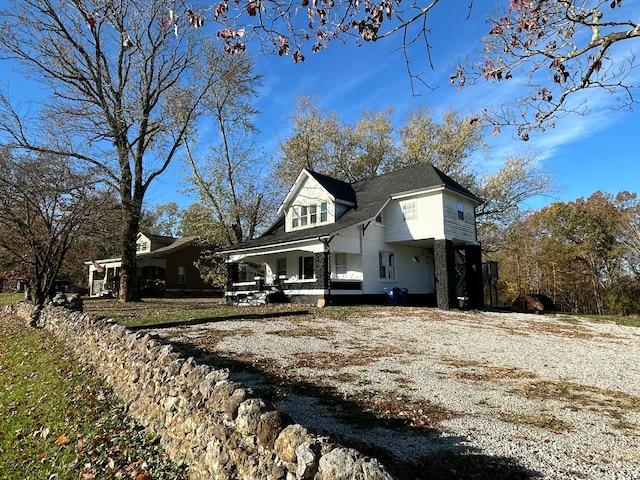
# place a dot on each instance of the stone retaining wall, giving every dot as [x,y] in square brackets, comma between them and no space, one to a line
[215,425]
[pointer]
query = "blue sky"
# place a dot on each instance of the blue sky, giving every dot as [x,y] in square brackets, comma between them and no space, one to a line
[599,151]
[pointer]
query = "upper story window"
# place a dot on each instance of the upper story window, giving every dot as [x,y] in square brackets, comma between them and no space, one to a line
[142,246]
[409,210]
[460,208]
[323,212]
[309,215]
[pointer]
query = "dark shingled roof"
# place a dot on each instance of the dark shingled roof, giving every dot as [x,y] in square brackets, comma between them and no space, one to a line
[339,189]
[369,195]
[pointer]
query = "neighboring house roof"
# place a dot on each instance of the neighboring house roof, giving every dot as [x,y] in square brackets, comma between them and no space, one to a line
[158,238]
[174,245]
[177,244]
[370,196]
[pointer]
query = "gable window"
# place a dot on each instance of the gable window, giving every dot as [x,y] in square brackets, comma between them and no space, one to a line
[142,247]
[387,264]
[313,214]
[341,263]
[305,268]
[281,267]
[295,217]
[306,215]
[182,275]
[460,207]
[409,210]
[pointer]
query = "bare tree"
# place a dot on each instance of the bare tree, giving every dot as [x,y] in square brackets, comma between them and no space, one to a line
[557,49]
[121,94]
[46,206]
[229,180]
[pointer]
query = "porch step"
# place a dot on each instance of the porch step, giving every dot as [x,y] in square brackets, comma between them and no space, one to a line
[256,298]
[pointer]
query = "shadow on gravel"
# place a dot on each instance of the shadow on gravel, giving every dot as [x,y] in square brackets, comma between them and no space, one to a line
[408,451]
[192,322]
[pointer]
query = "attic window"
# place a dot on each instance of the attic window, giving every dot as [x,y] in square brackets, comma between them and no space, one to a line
[308,215]
[460,207]
[142,247]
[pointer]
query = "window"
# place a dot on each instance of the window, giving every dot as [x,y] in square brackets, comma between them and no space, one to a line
[387,263]
[182,275]
[281,267]
[305,215]
[323,212]
[460,207]
[341,263]
[306,268]
[409,210]
[295,217]
[142,247]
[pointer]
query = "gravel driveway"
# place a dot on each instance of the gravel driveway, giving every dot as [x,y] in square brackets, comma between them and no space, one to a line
[514,394]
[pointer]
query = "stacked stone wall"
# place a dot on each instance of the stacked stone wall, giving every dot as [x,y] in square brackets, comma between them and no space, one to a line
[213,424]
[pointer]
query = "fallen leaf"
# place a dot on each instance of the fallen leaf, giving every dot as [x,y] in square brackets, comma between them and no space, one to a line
[62,439]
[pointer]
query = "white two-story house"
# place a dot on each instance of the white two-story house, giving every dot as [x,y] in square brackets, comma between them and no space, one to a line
[404,237]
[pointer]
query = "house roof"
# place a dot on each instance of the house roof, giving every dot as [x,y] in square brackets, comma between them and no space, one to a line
[370,196]
[177,244]
[158,238]
[337,188]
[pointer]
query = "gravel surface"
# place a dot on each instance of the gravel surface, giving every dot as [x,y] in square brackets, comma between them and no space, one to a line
[559,399]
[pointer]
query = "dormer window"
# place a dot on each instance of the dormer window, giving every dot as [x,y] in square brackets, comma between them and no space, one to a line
[309,215]
[142,247]
[323,212]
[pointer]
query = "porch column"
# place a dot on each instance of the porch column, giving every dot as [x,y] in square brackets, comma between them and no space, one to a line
[445,272]
[321,266]
[473,255]
[233,275]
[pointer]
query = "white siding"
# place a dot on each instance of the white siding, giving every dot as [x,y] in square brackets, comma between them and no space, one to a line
[348,241]
[416,276]
[311,193]
[455,228]
[428,221]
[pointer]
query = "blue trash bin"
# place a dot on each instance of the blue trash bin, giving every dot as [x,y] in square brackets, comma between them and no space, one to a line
[402,296]
[391,294]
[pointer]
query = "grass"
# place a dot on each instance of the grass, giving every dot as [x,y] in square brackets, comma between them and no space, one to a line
[10,298]
[59,420]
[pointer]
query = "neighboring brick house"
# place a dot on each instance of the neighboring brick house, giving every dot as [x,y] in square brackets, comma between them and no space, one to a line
[413,230]
[165,267]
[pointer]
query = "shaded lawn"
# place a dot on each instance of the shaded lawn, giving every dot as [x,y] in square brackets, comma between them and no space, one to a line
[59,420]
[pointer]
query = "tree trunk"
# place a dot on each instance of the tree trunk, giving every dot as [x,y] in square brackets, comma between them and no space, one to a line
[129,291]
